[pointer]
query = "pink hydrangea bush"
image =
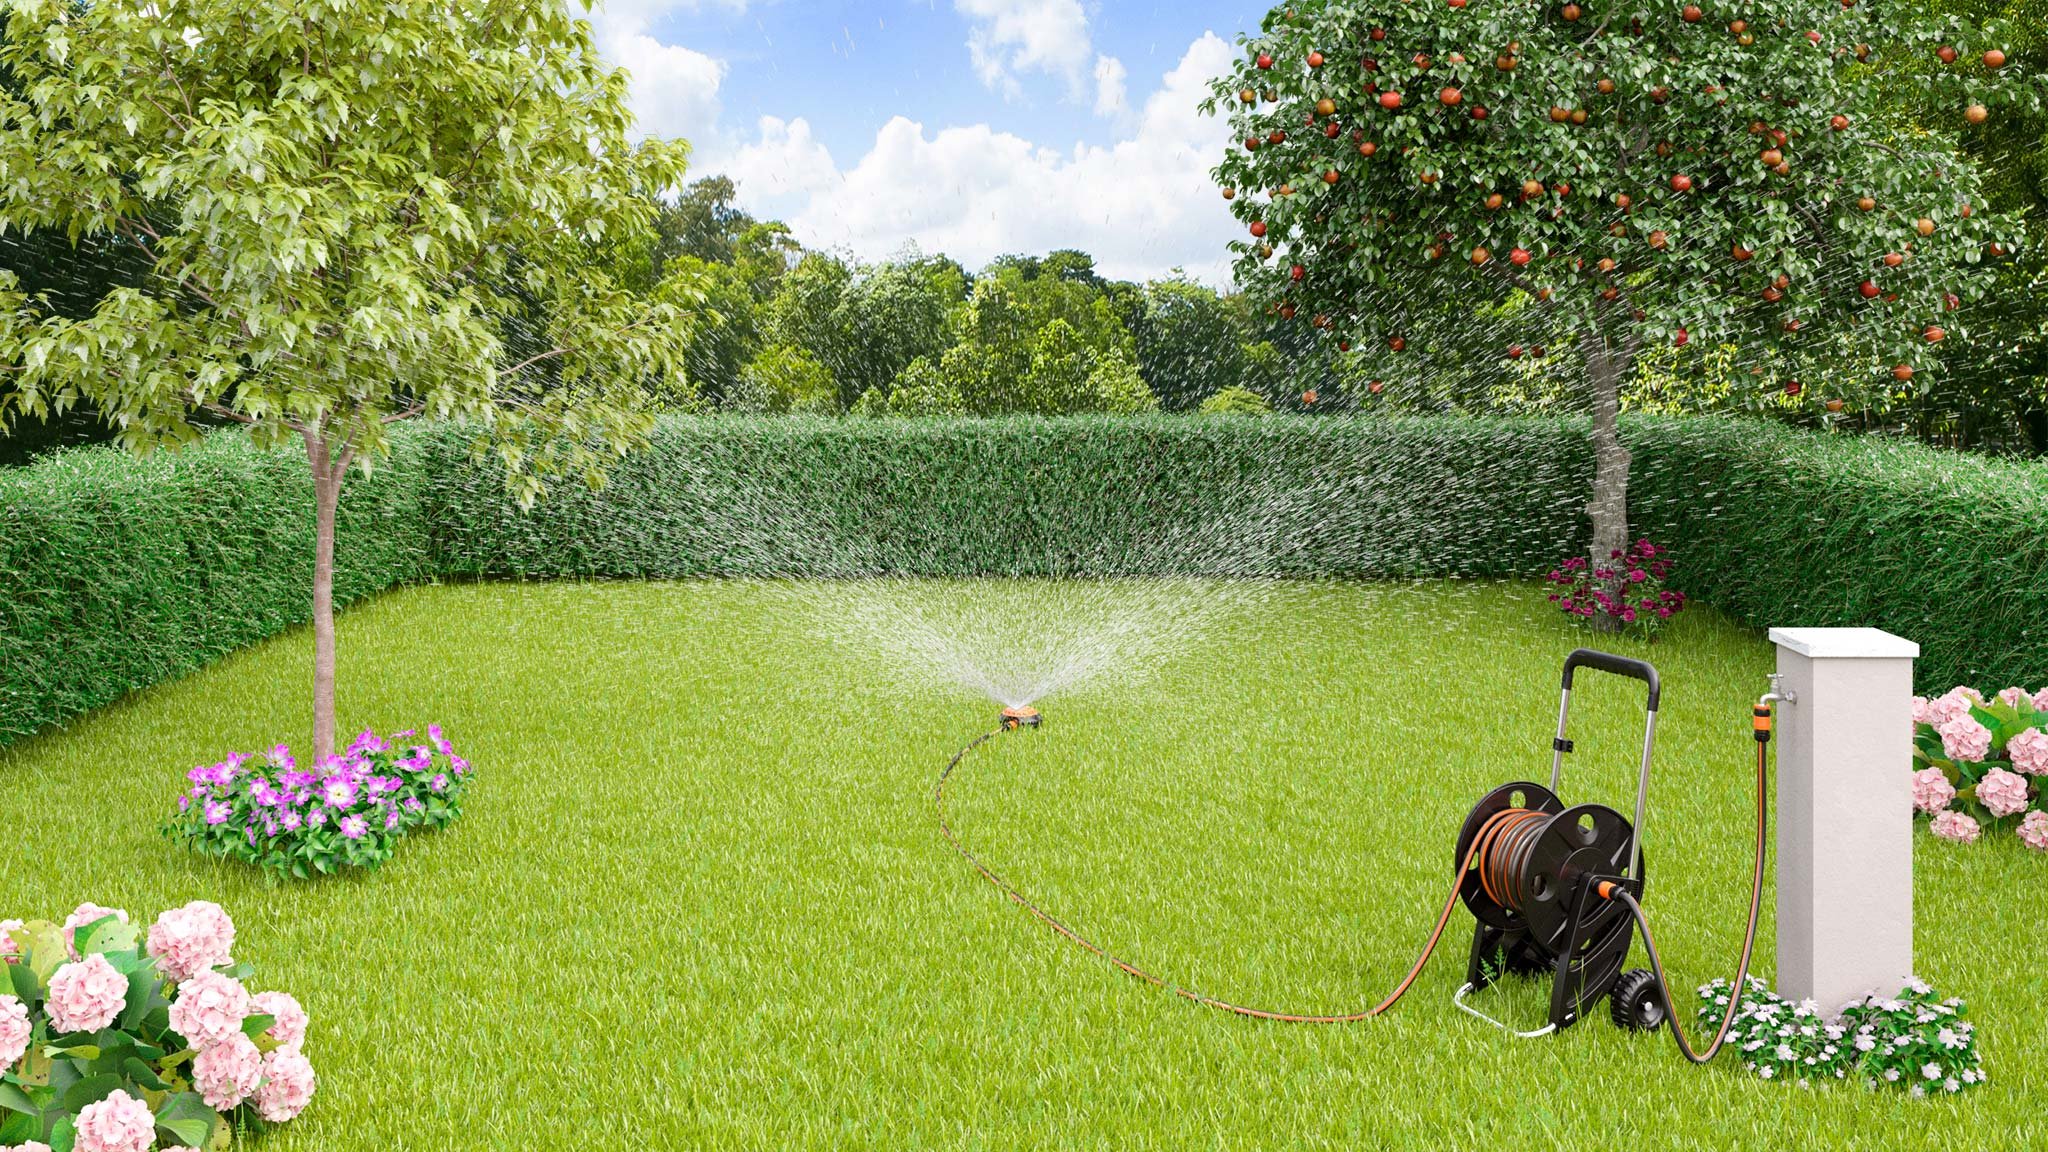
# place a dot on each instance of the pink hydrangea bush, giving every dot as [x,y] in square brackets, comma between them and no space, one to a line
[1626,592]
[1980,764]
[161,1025]
[349,811]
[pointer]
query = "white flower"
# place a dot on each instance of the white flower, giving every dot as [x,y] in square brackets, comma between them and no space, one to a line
[1918,1091]
[1931,1071]
[1767,1071]
[1948,1038]
[1785,1052]
[191,37]
[1950,1085]
[1891,1074]
[1865,1043]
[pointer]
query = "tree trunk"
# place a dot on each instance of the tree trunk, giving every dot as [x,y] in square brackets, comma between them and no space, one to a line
[1609,505]
[2036,421]
[327,477]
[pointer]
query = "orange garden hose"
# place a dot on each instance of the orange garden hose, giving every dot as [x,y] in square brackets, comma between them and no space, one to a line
[1498,852]
[1429,948]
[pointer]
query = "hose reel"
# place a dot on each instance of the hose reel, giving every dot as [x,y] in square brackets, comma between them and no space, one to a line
[1532,870]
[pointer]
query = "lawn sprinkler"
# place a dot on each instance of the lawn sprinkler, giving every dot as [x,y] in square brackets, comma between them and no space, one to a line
[1554,888]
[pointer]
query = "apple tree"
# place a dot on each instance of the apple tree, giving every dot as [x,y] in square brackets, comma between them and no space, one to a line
[349,215]
[1571,184]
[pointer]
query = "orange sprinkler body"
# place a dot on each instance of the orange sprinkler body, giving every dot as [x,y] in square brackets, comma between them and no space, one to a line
[1020,716]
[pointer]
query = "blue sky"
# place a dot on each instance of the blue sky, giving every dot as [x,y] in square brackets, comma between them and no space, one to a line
[973,127]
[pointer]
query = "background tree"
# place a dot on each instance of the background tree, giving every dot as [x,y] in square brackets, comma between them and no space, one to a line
[1644,174]
[319,269]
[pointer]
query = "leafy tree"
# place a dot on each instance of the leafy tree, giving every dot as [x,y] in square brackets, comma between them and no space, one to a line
[1644,174]
[785,379]
[727,334]
[1057,379]
[922,389]
[1116,387]
[319,266]
[1235,401]
[705,221]
[1190,343]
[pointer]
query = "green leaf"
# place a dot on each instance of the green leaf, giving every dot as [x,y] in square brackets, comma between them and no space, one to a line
[257,1024]
[27,985]
[186,1120]
[107,934]
[20,1127]
[90,1090]
[144,1075]
[15,1100]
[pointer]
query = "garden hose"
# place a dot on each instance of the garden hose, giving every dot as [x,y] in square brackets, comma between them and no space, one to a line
[1762,724]
[1428,949]
[1499,854]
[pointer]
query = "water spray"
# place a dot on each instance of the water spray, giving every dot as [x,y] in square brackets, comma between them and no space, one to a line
[1554,888]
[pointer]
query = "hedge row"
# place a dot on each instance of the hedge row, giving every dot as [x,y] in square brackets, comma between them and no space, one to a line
[116,573]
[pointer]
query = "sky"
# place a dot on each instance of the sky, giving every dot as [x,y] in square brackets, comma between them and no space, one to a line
[969,127]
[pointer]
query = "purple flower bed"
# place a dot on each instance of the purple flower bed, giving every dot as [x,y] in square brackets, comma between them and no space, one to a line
[349,811]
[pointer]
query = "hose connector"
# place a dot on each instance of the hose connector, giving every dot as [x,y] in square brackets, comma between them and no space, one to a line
[1020,716]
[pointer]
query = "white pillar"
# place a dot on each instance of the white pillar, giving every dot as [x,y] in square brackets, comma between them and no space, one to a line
[1845,814]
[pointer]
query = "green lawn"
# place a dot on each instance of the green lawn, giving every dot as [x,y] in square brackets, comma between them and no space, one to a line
[699,898]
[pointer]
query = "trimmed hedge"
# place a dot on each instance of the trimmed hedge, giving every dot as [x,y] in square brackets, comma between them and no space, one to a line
[1785,528]
[117,573]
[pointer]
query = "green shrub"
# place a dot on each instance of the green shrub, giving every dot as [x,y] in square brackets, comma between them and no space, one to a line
[1241,401]
[784,379]
[117,573]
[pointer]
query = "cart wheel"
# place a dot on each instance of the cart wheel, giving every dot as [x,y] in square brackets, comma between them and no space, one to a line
[1637,1002]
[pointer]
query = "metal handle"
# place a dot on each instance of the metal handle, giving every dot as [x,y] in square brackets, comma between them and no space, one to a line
[1619,665]
[1635,670]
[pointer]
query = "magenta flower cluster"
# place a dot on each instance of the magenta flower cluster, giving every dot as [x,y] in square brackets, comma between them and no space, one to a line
[346,811]
[1982,763]
[1626,592]
[160,1024]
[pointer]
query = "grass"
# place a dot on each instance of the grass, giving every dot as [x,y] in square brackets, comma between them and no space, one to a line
[699,900]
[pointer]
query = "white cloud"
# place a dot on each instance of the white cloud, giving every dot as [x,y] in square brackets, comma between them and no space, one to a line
[1007,38]
[675,90]
[1142,205]
[1109,86]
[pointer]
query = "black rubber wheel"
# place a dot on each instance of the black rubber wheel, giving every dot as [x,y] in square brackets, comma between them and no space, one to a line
[1637,1002]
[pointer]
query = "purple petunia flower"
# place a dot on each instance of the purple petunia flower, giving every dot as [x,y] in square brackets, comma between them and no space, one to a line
[439,783]
[353,827]
[338,791]
[218,811]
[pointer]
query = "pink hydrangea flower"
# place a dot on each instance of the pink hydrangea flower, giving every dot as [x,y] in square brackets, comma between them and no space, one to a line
[288,1083]
[14,1031]
[2013,696]
[31,1146]
[289,1025]
[1956,826]
[228,1073]
[2041,700]
[119,1123]
[209,1008]
[1965,739]
[2033,831]
[86,995]
[2002,793]
[9,950]
[1920,710]
[1952,703]
[190,940]
[2029,752]
[87,913]
[1931,790]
